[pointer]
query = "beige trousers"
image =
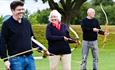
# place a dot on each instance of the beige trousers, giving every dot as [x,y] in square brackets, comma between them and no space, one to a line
[64,59]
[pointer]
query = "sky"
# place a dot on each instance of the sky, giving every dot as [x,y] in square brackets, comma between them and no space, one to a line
[29,4]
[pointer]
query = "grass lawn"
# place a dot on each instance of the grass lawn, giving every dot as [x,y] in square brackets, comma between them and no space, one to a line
[106,55]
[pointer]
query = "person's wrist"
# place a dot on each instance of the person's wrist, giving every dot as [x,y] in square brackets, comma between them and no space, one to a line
[7,64]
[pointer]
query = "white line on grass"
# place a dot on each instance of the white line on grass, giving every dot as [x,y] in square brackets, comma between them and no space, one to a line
[38,58]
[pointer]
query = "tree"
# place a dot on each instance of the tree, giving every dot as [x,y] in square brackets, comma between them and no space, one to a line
[68,8]
[110,13]
[104,2]
[42,16]
[33,18]
[1,18]
[84,8]
[26,13]
[108,6]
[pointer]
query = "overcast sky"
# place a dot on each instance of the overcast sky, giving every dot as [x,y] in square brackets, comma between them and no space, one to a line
[29,4]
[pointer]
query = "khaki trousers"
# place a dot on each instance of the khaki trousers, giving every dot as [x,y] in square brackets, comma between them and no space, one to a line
[64,59]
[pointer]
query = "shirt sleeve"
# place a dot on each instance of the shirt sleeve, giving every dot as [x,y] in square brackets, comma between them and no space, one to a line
[34,45]
[100,30]
[4,38]
[67,31]
[32,34]
[98,25]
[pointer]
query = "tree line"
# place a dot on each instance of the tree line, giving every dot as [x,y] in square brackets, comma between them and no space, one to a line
[71,16]
[41,17]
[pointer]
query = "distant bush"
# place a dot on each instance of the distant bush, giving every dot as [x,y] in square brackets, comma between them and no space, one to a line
[1,19]
[40,17]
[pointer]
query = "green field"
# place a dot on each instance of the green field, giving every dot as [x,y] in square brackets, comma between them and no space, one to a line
[106,55]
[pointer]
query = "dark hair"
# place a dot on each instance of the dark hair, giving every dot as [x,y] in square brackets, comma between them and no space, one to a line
[14,4]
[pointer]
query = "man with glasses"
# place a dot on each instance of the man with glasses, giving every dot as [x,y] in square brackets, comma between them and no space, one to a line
[16,36]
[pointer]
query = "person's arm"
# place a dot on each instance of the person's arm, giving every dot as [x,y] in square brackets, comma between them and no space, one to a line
[4,37]
[39,48]
[3,45]
[0,45]
[34,45]
[69,38]
[100,31]
[67,31]
[51,37]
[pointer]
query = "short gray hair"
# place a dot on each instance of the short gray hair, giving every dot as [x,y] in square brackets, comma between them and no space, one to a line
[90,10]
[56,14]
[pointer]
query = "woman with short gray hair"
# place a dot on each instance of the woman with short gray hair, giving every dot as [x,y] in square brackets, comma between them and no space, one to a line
[57,36]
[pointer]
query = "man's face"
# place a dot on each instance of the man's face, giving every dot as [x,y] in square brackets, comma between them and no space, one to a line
[18,12]
[91,13]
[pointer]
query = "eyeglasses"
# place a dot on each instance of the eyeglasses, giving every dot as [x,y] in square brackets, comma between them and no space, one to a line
[20,9]
[53,19]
